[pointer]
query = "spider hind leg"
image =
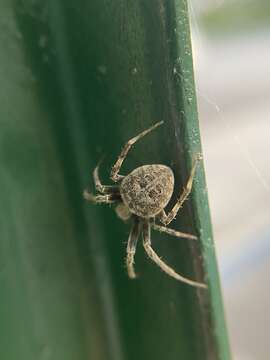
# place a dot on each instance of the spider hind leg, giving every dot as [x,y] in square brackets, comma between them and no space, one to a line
[131,247]
[156,259]
[173,232]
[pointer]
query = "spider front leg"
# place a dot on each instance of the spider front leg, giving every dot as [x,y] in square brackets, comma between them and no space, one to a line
[117,166]
[153,256]
[131,248]
[101,199]
[167,218]
[103,189]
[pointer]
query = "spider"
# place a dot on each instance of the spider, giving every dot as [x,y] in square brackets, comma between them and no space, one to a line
[142,195]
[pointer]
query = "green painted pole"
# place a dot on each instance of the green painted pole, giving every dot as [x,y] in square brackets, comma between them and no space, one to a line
[78,79]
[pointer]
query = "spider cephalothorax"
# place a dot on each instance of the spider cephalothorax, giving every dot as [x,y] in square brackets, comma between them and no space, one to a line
[143,195]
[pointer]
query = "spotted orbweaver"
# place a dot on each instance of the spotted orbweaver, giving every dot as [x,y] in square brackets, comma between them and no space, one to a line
[142,196]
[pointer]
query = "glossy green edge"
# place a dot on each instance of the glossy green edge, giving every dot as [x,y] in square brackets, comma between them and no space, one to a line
[77,80]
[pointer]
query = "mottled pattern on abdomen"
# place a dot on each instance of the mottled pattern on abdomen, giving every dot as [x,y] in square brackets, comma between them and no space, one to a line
[147,189]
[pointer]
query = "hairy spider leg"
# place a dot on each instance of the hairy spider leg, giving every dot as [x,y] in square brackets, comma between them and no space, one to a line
[117,166]
[131,247]
[103,189]
[173,232]
[153,256]
[101,199]
[166,219]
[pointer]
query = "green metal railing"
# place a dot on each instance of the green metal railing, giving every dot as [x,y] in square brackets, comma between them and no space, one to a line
[78,79]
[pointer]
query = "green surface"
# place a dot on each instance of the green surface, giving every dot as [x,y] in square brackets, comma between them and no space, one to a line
[77,80]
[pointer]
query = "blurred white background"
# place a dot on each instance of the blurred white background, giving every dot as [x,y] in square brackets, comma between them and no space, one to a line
[231,45]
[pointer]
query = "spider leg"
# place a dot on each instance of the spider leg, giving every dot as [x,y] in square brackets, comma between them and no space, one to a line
[99,199]
[167,269]
[166,219]
[131,248]
[173,232]
[103,189]
[117,166]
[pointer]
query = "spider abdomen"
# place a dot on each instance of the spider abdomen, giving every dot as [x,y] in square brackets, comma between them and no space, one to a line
[147,189]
